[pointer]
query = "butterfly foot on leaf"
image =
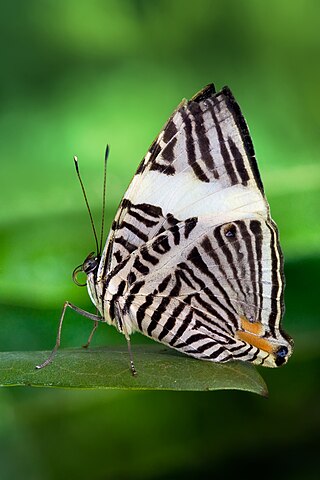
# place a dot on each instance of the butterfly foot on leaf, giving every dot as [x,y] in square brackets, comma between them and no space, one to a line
[133,370]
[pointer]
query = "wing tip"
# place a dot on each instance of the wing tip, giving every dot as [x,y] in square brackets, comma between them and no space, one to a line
[206,92]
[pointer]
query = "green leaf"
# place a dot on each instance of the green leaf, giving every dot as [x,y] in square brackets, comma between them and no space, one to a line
[158,369]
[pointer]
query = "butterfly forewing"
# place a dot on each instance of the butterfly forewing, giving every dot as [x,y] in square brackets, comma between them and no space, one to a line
[201,161]
[193,258]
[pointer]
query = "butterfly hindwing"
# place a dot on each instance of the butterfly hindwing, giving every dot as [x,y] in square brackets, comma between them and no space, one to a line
[191,286]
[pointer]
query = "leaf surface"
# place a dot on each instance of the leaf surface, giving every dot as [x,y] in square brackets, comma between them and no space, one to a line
[108,368]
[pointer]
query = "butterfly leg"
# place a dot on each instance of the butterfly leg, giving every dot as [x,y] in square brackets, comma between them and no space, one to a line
[127,337]
[132,367]
[122,328]
[95,326]
[67,304]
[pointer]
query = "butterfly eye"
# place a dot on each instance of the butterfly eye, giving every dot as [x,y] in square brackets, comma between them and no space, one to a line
[91,263]
[230,230]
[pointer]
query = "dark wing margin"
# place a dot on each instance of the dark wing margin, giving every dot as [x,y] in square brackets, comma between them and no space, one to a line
[245,134]
[207,92]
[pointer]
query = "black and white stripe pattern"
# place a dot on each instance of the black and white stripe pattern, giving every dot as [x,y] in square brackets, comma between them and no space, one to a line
[193,258]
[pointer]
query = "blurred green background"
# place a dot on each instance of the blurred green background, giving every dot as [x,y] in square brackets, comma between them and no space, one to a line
[76,75]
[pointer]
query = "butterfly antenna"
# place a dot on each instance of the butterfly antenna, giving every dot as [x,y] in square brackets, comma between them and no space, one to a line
[104,196]
[87,203]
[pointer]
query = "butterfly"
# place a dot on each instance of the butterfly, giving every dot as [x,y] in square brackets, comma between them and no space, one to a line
[193,258]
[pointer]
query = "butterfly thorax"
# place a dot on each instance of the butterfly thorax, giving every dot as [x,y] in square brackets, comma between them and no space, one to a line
[99,297]
[105,290]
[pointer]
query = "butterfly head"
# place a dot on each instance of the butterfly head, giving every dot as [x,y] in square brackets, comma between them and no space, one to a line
[89,266]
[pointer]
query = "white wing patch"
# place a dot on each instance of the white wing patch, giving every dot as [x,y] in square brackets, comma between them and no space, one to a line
[184,196]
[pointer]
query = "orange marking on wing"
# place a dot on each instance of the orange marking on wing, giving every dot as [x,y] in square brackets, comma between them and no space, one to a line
[255,341]
[255,327]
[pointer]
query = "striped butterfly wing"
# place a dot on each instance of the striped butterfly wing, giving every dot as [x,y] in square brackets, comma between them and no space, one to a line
[204,150]
[193,258]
